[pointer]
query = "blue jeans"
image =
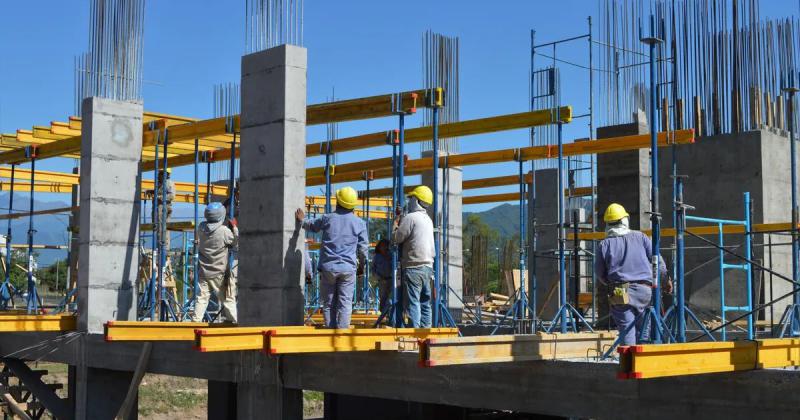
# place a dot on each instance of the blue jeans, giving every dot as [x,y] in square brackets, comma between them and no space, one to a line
[336,292]
[417,295]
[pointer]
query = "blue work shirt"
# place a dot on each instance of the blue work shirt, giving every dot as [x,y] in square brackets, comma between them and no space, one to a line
[382,265]
[344,240]
[626,258]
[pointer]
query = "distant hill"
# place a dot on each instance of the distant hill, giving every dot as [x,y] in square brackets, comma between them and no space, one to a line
[50,229]
[505,218]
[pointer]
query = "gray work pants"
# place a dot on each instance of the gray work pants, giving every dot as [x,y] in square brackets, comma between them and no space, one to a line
[336,293]
[630,318]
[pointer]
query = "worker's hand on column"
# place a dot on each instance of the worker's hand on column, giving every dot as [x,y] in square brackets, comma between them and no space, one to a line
[396,222]
[300,215]
[234,223]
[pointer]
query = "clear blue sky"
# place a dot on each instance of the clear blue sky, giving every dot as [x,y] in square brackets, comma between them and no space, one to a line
[358,47]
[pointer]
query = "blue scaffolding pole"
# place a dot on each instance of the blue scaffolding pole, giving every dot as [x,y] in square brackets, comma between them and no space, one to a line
[567,315]
[165,311]
[33,293]
[7,290]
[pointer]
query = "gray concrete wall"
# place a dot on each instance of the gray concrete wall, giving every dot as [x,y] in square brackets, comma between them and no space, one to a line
[720,169]
[272,176]
[453,256]
[544,208]
[111,148]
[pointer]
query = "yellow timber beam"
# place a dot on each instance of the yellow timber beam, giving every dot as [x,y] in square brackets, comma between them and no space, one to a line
[33,323]
[455,129]
[173,226]
[679,359]
[697,230]
[609,145]
[152,331]
[350,339]
[235,338]
[512,348]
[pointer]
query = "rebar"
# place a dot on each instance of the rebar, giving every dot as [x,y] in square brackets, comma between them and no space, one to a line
[723,66]
[269,23]
[113,66]
[226,104]
[440,69]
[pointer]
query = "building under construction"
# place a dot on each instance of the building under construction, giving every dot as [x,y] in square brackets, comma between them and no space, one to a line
[690,125]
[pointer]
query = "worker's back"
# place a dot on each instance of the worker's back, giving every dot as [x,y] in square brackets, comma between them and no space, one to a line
[415,234]
[214,242]
[341,233]
[624,258]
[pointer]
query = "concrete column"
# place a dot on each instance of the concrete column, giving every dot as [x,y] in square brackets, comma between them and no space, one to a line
[543,263]
[111,148]
[273,127]
[624,177]
[453,256]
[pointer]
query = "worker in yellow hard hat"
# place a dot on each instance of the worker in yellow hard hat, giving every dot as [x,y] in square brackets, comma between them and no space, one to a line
[342,254]
[623,263]
[413,231]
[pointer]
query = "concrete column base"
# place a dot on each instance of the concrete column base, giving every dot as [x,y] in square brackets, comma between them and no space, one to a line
[101,392]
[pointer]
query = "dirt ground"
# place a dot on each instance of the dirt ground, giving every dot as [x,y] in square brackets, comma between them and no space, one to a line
[168,397]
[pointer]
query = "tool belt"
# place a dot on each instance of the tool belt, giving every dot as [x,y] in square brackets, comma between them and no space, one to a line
[618,294]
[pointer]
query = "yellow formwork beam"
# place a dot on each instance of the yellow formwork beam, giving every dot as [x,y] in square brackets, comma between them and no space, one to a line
[512,348]
[697,230]
[152,331]
[455,129]
[236,338]
[181,226]
[350,339]
[609,145]
[37,323]
[680,359]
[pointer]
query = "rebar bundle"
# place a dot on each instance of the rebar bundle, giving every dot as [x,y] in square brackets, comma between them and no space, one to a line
[113,66]
[226,104]
[721,68]
[269,23]
[545,91]
[440,68]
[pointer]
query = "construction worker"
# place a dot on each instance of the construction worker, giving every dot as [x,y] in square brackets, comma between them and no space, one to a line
[342,255]
[166,185]
[382,272]
[413,231]
[623,263]
[215,242]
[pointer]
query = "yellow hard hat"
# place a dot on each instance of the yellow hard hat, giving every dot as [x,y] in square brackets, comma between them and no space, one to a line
[615,212]
[347,197]
[423,194]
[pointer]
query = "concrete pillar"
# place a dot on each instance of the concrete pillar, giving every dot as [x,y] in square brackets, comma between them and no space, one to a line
[111,148]
[453,256]
[624,177]
[543,263]
[273,126]
[101,393]
[221,400]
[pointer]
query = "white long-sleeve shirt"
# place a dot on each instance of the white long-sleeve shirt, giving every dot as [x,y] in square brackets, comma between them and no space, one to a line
[415,234]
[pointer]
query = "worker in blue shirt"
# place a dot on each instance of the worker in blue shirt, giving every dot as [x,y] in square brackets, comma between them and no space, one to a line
[343,253]
[623,262]
[382,270]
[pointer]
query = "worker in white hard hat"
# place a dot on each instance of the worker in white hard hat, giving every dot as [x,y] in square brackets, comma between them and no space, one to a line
[413,232]
[343,253]
[623,262]
[215,241]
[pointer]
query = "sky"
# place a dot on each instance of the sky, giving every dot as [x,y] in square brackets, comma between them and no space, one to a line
[356,48]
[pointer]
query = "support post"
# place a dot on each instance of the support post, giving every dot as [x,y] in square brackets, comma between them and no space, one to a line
[272,187]
[110,184]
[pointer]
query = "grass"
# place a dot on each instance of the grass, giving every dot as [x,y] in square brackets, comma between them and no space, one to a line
[173,395]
